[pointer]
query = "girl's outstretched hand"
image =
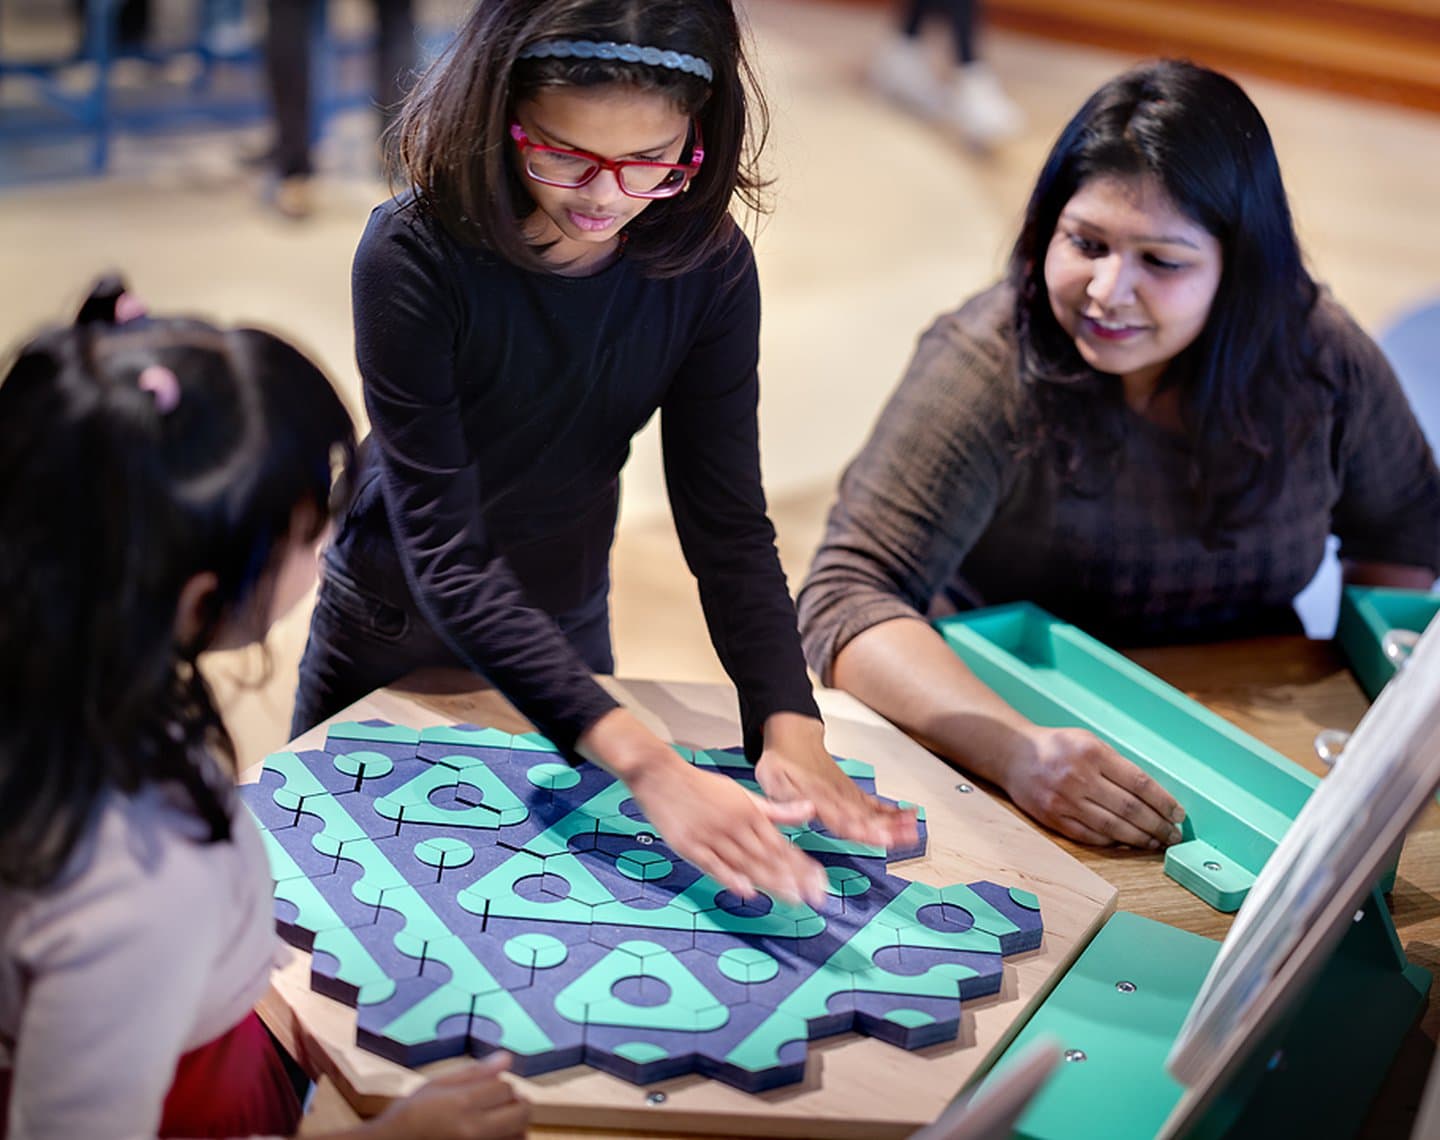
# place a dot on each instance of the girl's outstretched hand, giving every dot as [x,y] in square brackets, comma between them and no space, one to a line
[709,820]
[796,766]
[472,1102]
[729,832]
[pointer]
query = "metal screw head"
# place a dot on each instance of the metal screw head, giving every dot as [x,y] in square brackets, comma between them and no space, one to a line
[645,839]
[1125,987]
[1329,745]
[655,1098]
[1211,865]
[1398,645]
[1075,1055]
[963,788]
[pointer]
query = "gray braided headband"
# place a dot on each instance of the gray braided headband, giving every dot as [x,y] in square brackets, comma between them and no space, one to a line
[625,53]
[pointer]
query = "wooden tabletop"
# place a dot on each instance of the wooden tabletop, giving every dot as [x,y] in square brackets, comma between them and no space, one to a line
[1282,691]
[853,1086]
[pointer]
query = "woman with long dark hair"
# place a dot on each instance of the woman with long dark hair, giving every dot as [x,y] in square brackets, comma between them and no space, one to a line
[1150,428]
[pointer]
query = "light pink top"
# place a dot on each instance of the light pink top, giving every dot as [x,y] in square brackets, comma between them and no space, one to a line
[151,944]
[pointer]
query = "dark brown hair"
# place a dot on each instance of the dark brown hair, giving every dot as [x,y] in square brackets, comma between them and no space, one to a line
[451,140]
[1245,384]
[109,503]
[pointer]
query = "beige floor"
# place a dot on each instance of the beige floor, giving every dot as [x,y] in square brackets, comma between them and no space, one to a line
[879,223]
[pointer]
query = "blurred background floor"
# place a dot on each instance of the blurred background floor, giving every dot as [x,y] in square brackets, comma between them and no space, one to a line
[879,223]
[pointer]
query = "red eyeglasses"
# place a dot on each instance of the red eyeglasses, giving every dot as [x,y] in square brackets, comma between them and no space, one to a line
[571,169]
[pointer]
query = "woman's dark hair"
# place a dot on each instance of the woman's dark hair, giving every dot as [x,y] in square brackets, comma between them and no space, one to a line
[1242,382]
[110,501]
[452,142]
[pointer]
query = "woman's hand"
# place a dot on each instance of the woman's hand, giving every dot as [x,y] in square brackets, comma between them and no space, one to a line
[709,820]
[473,1102]
[1071,781]
[796,766]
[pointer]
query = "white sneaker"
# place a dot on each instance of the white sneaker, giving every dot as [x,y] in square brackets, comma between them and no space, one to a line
[980,110]
[902,70]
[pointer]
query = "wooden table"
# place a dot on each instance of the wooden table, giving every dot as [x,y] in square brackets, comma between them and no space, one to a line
[1282,691]
[853,1086]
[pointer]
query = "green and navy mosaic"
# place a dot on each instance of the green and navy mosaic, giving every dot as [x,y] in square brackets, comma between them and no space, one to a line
[466,890]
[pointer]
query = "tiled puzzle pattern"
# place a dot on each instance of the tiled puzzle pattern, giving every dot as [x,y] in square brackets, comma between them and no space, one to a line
[467,890]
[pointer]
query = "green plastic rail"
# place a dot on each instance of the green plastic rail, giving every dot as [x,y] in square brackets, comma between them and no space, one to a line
[1239,795]
[1367,614]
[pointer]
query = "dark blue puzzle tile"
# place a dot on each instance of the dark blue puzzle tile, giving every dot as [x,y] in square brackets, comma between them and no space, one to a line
[477,893]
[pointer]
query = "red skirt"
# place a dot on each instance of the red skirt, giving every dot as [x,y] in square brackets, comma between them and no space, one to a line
[234,1086]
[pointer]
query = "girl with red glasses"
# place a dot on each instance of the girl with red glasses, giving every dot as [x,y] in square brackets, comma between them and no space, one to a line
[563,266]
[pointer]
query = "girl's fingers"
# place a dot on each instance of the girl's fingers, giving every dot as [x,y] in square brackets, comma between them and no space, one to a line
[493,1093]
[789,813]
[484,1069]
[503,1123]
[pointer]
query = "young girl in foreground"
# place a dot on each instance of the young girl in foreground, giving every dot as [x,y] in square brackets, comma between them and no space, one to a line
[1149,429]
[163,484]
[565,266]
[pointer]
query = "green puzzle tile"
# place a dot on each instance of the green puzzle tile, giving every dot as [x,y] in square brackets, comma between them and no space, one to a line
[536,951]
[499,806]
[761,1049]
[641,1052]
[1024,898]
[465,737]
[443,852]
[645,866]
[987,918]
[388,733]
[690,1008]
[364,765]
[909,1018]
[355,966]
[748,965]
[531,742]
[852,967]
[846,882]
[553,777]
[300,783]
[574,871]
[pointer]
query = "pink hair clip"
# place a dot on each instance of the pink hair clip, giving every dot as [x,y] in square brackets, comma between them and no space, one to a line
[128,307]
[163,384]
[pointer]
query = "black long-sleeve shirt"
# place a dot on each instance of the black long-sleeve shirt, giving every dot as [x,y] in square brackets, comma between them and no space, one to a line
[502,405]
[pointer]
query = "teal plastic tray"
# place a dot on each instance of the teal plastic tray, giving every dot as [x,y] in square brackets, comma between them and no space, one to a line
[1239,795]
[1367,614]
[1118,1010]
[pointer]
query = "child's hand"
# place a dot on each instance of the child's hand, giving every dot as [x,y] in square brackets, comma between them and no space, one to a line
[707,819]
[796,766]
[469,1103]
[729,832]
